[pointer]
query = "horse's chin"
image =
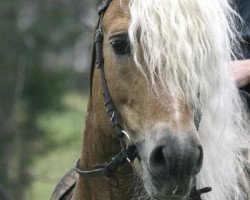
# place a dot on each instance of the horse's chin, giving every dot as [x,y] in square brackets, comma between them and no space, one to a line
[168,198]
[161,188]
[162,195]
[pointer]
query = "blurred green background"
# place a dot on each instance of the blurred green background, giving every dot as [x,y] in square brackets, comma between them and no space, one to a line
[45,50]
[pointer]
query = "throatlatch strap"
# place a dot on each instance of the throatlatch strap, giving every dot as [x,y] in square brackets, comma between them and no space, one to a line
[109,169]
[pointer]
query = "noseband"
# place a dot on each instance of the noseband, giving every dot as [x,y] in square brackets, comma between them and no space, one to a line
[129,153]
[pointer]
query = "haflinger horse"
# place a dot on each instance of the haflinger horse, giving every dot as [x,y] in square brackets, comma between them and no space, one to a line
[176,125]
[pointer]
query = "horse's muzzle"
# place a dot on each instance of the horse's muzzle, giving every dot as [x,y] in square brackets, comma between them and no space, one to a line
[174,158]
[174,162]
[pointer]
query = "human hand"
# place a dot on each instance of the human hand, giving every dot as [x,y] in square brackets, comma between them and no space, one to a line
[241,72]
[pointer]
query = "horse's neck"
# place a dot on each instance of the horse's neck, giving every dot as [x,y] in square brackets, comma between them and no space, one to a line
[99,146]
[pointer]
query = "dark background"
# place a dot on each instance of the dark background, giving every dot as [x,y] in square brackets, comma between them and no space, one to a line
[45,50]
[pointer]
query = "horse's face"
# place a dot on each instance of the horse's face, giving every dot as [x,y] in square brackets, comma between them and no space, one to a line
[165,136]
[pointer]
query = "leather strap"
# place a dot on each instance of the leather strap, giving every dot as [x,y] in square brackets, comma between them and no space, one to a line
[108,169]
[196,194]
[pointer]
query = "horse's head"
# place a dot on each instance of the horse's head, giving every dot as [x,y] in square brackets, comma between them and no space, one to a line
[160,123]
[162,61]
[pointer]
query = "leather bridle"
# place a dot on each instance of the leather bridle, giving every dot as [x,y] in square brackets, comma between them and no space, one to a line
[129,153]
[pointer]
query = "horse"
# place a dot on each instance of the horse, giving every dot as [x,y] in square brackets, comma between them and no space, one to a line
[172,124]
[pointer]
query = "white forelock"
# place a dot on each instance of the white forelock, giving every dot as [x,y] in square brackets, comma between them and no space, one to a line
[185,47]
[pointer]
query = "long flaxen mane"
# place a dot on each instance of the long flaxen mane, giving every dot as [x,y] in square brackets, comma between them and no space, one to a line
[184,47]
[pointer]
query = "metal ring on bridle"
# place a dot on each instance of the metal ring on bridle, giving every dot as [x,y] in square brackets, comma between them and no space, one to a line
[126,134]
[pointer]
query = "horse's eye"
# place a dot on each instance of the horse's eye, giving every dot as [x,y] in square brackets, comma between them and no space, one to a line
[120,46]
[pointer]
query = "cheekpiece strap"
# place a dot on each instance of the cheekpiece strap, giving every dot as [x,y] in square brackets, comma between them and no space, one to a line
[110,107]
[98,48]
[103,6]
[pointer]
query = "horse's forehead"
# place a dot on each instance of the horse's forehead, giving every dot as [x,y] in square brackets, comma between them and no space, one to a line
[117,17]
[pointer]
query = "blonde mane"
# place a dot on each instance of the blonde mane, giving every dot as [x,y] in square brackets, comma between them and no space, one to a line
[184,47]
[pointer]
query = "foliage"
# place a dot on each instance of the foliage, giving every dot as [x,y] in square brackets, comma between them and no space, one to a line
[64,130]
[37,39]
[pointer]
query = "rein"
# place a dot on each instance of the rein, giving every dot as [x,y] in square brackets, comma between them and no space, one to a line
[128,153]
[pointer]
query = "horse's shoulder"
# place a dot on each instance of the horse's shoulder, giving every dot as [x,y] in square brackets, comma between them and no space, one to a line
[65,187]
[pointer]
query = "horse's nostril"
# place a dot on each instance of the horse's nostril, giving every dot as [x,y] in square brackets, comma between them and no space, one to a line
[157,161]
[157,157]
